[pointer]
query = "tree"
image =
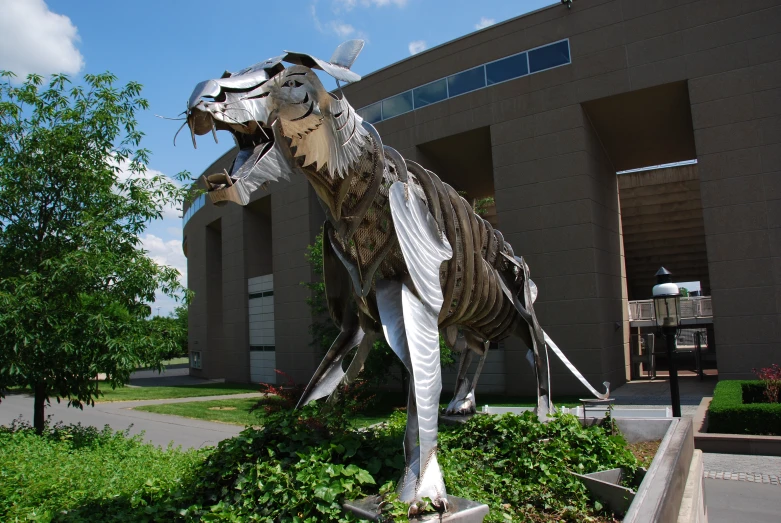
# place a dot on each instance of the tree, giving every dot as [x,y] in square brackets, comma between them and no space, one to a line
[75,283]
[175,326]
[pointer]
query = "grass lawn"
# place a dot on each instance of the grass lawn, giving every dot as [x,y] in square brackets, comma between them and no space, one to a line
[183,391]
[236,410]
[130,393]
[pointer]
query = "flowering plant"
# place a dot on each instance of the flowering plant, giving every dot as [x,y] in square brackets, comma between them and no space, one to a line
[771,376]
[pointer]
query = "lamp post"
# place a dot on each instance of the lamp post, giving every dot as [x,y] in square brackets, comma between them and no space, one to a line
[667,309]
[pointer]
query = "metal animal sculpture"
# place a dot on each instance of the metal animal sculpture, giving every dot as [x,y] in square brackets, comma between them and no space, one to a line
[404,255]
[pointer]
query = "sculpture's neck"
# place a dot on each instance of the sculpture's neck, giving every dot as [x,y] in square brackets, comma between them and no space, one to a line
[346,200]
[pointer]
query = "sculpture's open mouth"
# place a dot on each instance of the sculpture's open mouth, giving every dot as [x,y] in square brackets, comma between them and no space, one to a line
[258,160]
[254,142]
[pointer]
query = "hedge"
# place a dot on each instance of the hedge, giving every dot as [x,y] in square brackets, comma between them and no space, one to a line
[732,410]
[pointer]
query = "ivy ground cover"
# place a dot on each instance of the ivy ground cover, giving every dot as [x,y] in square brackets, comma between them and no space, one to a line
[299,468]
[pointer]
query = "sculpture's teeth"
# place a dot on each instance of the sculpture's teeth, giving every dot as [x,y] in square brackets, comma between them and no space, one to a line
[206,182]
[214,132]
[192,135]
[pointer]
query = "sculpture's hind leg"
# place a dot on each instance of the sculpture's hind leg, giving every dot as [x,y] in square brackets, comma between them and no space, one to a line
[464,401]
[532,335]
[541,371]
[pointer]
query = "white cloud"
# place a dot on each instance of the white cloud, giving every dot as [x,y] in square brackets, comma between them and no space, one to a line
[35,40]
[417,46]
[485,22]
[341,29]
[315,18]
[334,27]
[166,252]
[349,5]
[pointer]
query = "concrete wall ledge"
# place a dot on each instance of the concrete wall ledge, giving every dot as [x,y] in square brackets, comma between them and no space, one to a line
[731,443]
[660,496]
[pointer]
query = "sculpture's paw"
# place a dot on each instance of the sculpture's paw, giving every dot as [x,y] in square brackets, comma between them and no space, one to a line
[463,404]
[543,411]
[428,506]
[428,492]
[461,408]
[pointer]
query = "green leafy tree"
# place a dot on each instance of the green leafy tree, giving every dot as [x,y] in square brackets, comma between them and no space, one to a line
[75,282]
[175,326]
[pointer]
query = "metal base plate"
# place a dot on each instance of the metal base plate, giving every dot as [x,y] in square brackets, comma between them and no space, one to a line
[460,511]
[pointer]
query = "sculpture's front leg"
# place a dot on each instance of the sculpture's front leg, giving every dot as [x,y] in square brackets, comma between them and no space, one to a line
[409,313]
[411,331]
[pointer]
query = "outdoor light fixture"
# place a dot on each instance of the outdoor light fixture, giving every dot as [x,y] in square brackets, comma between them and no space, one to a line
[667,309]
[568,3]
[667,300]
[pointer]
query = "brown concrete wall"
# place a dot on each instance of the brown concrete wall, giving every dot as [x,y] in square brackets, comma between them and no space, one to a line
[728,53]
[257,238]
[293,229]
[555,197]
[738,133]
[570,239]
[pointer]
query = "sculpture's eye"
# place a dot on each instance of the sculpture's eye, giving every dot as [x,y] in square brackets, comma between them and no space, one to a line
[293,83]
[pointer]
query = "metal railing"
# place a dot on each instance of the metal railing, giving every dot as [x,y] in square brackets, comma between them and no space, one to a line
[692,307]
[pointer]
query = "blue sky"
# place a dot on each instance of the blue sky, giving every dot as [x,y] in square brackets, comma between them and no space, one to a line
[170,45]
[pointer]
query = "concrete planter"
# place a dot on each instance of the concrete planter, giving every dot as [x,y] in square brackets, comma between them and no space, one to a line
[731,443]
[606,486]
[672,488]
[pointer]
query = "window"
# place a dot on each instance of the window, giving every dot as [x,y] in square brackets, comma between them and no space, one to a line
[194,207]
[372,113]
[549,56]
[195,359]
[515,66]
[469,80]
[506,69]
[430,93]
[396,105]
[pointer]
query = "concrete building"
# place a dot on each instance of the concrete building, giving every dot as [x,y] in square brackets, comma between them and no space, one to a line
[542,111]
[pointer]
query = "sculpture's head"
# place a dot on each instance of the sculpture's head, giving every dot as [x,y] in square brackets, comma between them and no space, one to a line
[282,119]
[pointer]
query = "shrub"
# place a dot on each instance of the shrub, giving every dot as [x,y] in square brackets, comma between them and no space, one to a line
[735,410]
[771,378]
[292,472]
[81,474]
[288,472]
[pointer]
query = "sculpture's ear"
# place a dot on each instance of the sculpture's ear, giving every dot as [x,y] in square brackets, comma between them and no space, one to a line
[338,67]
[346,53]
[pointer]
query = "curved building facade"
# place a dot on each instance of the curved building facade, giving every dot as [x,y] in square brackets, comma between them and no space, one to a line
[541,112]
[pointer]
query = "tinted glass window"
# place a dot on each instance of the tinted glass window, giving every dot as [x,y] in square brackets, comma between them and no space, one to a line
[467,81]
[549,56]
[507,68]
[371,113]
[396,105]
[431,93]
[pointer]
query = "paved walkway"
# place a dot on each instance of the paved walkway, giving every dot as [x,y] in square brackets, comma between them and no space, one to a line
[736,467]
[739,502]
[656,393]
[158,429]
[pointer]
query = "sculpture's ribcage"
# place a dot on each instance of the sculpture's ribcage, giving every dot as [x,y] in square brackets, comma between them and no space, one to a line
[473,297]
